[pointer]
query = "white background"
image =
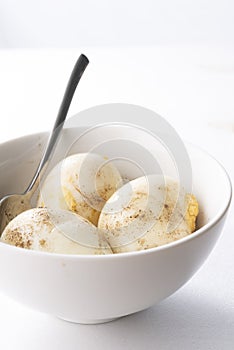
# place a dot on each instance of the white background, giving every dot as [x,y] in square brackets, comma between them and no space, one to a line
[73,23]
[176,57]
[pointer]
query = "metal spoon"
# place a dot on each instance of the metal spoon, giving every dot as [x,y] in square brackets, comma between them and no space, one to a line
[14,204]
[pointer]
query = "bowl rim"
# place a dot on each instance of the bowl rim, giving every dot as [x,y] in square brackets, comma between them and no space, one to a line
[221,213]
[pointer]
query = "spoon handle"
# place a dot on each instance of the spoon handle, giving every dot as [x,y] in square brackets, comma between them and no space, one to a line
[76,74]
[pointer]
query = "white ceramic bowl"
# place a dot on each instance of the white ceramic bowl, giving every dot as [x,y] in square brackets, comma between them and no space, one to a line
[93,289]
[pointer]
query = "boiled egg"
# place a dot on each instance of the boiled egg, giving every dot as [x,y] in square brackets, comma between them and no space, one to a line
[55,231]
[148,212]
[81,183]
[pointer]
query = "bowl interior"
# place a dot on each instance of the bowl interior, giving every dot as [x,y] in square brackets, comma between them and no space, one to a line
[19,159]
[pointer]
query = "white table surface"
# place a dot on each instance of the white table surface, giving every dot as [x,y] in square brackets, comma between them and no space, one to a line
[193,87]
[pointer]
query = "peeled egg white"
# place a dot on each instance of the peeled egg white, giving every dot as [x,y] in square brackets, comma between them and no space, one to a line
[81,183]
[148,212]
[55,231]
